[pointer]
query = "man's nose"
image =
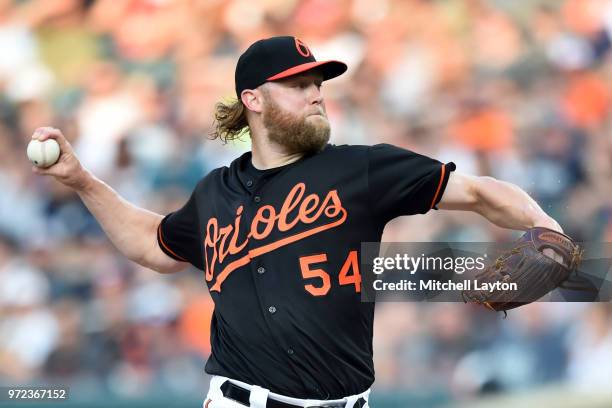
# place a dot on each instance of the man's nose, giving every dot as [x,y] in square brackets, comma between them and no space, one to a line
[315,96]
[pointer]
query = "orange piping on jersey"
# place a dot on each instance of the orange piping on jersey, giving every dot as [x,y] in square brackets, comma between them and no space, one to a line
[433,202]
[166,246]
[271,247]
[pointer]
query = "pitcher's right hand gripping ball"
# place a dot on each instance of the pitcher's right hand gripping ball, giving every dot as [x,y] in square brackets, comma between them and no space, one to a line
[535,273]
[67,170]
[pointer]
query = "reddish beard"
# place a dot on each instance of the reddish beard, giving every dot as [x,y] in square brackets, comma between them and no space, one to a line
[293,132]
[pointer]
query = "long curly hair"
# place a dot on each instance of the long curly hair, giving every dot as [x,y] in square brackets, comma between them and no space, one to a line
[230,120]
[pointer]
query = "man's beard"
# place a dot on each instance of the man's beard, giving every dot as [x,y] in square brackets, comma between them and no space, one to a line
[294,133]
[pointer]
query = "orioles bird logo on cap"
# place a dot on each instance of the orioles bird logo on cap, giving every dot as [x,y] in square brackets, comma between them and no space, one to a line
[302,48]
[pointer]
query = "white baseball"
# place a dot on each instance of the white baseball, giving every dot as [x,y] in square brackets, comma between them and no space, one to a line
[43,154]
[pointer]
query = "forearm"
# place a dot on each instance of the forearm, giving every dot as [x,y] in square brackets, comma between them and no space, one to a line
[131,229]
[507,206]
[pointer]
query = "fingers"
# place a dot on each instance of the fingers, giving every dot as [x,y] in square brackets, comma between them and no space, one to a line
[549,223]
[40,170]
[48,132]
[45,132]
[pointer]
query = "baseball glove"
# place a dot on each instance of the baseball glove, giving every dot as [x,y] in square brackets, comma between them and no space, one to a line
[534,273]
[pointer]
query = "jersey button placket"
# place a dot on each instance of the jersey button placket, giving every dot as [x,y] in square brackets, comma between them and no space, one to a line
[261,270]
[272,309]
[257,199]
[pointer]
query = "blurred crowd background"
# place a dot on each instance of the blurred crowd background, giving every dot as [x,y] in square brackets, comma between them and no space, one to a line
[519,90]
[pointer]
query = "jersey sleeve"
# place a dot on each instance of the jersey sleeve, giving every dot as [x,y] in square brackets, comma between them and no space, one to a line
[178,234]
[402,182]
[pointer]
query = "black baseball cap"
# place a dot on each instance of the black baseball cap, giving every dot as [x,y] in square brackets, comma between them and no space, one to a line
[279,57]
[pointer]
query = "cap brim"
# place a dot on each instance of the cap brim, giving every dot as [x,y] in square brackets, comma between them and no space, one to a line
[329,69]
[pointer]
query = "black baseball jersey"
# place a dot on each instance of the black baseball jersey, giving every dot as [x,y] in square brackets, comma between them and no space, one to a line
[280,253]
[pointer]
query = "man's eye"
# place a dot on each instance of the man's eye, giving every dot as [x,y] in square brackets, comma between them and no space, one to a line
[306,84]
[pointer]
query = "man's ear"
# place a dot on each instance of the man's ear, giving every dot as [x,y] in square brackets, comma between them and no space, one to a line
[252,99]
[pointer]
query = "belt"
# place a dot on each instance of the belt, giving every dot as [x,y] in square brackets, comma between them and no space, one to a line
[241,395]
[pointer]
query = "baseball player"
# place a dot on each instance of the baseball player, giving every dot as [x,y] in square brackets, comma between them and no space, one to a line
[277,234]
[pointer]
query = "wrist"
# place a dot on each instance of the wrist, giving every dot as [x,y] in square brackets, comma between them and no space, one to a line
[85,182]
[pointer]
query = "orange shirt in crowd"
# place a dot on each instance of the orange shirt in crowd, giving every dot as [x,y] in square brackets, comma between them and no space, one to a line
[584,17]
[194,325]
[586,101]
[486,129]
